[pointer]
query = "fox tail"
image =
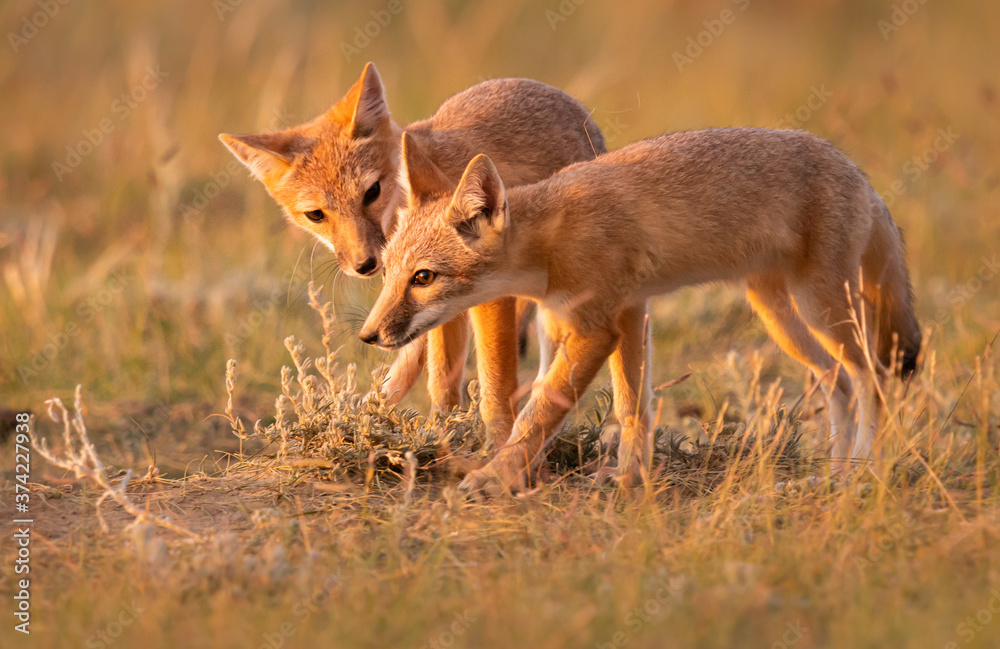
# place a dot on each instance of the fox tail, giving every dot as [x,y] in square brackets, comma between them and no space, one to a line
[888,288]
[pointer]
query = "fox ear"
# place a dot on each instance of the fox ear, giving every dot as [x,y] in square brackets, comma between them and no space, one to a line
[479,207]
[267,155]
[420,176]
[363,109]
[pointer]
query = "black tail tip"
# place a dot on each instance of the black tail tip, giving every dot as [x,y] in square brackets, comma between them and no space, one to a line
[909,363]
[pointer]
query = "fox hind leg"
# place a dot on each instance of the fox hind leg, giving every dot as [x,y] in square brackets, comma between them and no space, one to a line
[824,303]
[525,310]
[770,298]
[549,336]
[630,365]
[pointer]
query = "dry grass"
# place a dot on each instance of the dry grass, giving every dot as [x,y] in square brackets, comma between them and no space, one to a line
[148,266]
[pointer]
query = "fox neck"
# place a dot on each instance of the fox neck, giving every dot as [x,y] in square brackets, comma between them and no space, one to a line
[527,253]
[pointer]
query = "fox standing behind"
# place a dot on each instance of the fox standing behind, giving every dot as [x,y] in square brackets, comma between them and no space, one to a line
[337,177]
[783,211]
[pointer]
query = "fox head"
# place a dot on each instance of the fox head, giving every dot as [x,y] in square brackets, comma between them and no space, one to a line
[335,176]
[446,253]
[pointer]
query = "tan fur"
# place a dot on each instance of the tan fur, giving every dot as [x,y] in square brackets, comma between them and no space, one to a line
[781,210]
[530,129]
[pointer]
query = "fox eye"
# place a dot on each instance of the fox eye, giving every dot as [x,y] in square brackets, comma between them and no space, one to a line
[372,194]
[316,216]
[423,277]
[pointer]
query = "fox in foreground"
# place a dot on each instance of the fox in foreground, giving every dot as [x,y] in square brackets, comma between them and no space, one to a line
[783,211]
[337,177]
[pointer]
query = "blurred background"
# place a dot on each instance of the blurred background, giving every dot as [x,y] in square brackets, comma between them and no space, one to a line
[137,256]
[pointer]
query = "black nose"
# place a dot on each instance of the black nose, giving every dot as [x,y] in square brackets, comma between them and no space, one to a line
[367,267]
[370,337]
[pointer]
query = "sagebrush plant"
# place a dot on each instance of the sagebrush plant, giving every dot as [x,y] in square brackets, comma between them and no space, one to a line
[322,419]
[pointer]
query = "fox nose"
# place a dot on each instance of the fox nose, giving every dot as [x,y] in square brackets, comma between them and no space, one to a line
[370,337]
[367,267]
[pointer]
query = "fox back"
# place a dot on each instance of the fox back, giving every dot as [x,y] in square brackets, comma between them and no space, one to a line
[680,209]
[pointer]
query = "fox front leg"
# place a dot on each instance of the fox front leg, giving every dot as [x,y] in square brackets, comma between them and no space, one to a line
[631,379]
[576,362]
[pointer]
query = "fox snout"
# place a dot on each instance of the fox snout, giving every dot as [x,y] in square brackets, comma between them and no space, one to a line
[369,334]
[358,244]
[373,334]
[372,330]
[389,324]
[361,265]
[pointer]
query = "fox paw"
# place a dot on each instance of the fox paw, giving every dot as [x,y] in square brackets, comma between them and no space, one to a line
[615,476]
[481,484]
[504,474]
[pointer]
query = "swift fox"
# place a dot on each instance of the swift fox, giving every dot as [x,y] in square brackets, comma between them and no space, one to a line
[337,177]
[783,211]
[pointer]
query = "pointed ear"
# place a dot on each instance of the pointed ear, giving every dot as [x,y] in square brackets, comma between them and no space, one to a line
[363,109]
[419,175]
[479,206]
[267,155]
